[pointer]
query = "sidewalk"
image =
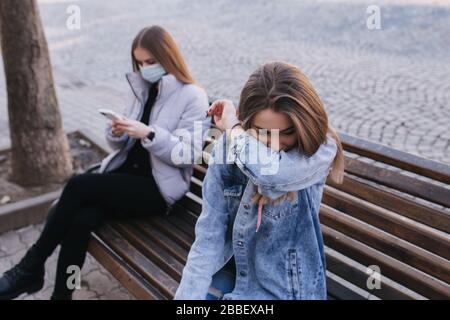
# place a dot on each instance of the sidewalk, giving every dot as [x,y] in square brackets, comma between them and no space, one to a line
[96,282]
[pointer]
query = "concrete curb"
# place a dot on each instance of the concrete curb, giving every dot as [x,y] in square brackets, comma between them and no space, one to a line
[34,210]
[26,212]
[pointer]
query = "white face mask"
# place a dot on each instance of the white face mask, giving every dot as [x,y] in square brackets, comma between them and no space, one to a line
[153,73]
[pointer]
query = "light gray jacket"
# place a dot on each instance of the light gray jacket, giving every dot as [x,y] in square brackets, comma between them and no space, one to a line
[177,109]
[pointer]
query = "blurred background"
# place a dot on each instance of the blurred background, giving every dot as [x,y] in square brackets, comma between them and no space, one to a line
[390,85]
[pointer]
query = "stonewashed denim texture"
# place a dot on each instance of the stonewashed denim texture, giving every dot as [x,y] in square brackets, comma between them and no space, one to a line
[285,259]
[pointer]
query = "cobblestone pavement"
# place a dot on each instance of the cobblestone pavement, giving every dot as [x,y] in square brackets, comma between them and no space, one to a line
[390,85]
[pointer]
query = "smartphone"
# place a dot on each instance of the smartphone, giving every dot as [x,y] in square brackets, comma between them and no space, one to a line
[111,115]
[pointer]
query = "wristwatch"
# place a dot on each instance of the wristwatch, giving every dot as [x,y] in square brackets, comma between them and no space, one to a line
[151,134]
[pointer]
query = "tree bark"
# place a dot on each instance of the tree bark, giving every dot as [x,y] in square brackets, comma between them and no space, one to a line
[40,150]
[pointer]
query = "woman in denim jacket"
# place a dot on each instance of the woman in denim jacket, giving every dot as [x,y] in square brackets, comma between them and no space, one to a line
[258,236]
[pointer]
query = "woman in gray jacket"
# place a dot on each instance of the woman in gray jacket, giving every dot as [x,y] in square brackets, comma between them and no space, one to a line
[155,144]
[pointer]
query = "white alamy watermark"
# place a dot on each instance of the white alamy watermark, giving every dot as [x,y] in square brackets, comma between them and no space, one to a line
[374,280]
[74,280]
[73,21]
[373,21]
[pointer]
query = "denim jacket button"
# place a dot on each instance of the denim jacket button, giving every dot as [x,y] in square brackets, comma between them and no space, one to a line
[246,206]
[243,273]
[240,243]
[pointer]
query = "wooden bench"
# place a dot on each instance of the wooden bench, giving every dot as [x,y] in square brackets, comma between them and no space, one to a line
[395,216]
[392,211]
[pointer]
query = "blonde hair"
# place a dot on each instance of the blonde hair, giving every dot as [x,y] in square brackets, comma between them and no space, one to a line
[164,49]
[284,88]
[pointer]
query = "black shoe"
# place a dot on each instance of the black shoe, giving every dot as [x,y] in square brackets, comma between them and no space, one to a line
[17,281]
[26,277]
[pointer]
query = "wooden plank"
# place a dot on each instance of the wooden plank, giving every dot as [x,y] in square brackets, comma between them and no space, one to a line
[428,168]
[428,238]
[406,207]
[386,243]
[181,224]
[399,181]
[181,238]
[150,271]
[402,273]
[351,271]
[342,290]
[129,278]
[162,240]
[186,215]
[151,250]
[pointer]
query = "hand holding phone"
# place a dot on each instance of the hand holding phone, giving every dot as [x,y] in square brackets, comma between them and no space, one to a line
[111,115]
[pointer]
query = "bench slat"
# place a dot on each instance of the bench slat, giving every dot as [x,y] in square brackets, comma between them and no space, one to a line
[339,290]
[402,273]
[400,159]
[182,224]
[129,278]
[162,239]
[154,275]
[386,243]
[152,250]
[406,207]
[404,228]
[399,181]
[179,225]
[351,271]
[180,238]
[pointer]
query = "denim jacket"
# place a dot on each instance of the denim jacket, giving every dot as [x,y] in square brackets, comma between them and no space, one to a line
[285,259]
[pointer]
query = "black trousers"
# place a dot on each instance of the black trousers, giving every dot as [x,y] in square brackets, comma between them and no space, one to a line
[86,201]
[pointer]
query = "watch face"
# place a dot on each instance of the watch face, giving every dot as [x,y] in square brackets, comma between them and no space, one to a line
[151,135]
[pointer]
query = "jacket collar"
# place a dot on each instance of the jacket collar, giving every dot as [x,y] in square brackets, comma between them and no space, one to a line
[167,85]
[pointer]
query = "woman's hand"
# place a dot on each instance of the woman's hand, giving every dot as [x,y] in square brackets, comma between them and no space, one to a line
[224,114]
[115,131]
[135,129]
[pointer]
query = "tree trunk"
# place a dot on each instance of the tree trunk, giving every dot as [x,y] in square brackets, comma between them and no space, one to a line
[40,150]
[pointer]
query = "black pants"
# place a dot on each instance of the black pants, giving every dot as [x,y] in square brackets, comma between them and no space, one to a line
[86,201]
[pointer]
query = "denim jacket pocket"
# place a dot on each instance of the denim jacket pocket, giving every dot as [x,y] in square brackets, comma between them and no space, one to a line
[281,210]
[293,275]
